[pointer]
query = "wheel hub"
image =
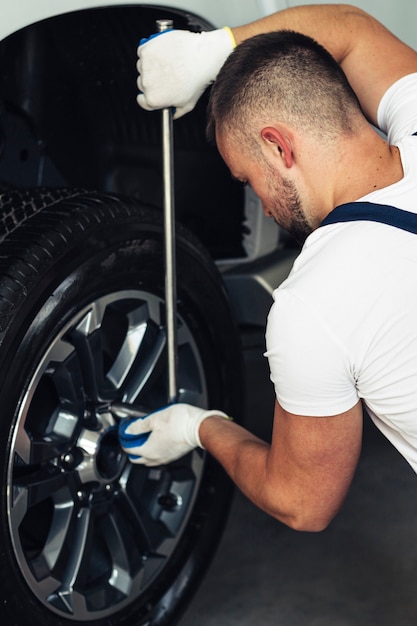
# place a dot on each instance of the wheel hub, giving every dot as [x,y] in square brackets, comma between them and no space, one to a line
[102,457]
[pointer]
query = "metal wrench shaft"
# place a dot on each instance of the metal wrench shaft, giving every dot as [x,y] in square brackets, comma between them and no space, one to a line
[169,239]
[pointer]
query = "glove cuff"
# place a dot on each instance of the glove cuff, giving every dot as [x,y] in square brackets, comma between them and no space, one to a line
[231,35]
[201,420]
[220,44]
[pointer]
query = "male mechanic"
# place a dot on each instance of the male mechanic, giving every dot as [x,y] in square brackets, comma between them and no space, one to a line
[342,329]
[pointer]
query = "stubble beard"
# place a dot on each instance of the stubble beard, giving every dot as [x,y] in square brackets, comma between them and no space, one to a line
[286,210]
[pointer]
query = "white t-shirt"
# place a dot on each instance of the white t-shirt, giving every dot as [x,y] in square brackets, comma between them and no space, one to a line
[343,326]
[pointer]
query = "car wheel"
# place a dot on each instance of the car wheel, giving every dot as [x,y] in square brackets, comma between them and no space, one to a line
[87,537]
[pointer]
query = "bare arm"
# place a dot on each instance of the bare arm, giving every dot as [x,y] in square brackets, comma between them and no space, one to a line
[372,57]
[303,477]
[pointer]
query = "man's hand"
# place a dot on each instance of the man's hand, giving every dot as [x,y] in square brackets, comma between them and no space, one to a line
[176,66]
[165,435]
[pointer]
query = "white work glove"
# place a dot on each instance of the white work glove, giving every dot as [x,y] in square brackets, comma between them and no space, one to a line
[176,66]
[163,436]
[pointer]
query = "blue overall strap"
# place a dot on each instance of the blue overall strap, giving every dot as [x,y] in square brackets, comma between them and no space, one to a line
[371,212]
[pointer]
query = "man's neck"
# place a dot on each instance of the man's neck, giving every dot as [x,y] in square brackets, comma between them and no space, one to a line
[369,165]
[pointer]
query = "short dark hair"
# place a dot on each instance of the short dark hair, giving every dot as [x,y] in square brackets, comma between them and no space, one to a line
[286,73]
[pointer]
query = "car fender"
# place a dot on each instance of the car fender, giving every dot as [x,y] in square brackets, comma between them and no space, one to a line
[17,15]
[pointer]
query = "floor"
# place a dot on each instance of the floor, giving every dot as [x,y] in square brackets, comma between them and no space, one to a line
[361,571]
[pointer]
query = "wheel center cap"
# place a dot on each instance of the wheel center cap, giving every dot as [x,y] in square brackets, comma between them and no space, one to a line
[110,459]
[103,459]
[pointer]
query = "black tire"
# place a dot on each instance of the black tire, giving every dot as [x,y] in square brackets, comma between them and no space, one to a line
[86,537]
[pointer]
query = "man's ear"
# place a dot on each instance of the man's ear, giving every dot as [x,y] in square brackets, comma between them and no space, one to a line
[274,139]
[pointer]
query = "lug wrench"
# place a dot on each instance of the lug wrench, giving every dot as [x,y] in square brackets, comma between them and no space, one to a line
[169,239]
[122,410]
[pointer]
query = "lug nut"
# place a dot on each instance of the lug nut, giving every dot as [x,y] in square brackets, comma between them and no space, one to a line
[170,501]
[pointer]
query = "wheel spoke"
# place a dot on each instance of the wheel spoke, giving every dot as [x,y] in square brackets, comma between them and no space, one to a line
[62,597]
[137,328]
[120,549]
[134,509]
[40,484]
[149,365]
[33,450]
[67,381]
[138,360]
[86,339]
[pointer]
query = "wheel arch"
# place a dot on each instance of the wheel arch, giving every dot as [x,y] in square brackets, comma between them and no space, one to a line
[69,118]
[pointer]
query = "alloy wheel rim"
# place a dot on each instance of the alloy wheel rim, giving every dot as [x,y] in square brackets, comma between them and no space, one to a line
[90,531]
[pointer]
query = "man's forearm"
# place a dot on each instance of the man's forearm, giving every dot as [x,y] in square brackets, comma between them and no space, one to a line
[322,22]
[303,477]
[243,455]
[331,25]
[247,460]
[372,58]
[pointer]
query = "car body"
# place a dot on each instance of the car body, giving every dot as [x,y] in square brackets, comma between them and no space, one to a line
[85,538]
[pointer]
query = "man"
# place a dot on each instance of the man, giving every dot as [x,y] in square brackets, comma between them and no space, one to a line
[342,328]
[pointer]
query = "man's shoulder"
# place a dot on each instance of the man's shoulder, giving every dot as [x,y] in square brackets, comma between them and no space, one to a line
[397,111]
[343,261]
